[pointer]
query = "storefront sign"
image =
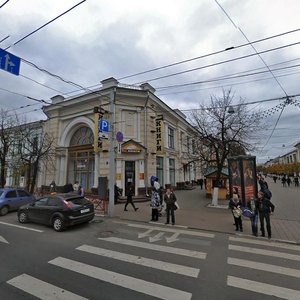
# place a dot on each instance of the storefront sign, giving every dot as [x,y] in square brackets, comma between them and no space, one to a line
[159,136]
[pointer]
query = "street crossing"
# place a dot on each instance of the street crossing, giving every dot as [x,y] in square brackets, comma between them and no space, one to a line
[140,269]
[290,254]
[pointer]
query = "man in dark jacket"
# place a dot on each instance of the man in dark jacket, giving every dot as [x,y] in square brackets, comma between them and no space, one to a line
[264,207]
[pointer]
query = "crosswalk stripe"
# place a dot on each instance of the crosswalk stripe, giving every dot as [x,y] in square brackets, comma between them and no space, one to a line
[178,251]
[152,263]
[22,227]
[263,267]
[265,243]
[41,289]
[181,231]
[142,286]
[259,287]
[264,252]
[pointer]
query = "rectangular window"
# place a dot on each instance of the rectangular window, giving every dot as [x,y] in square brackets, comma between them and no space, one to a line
[172,171]
[171,143]
[160,170]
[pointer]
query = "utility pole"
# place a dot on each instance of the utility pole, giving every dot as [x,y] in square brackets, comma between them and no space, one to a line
[112,163]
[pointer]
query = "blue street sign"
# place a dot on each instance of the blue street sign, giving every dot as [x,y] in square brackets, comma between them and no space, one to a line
[9,62]
[103,125]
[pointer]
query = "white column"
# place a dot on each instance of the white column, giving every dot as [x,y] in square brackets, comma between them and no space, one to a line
[141,173]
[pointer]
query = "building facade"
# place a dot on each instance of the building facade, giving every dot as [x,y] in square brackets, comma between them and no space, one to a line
[126,130]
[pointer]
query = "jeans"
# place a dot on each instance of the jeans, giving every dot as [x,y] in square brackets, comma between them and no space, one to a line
[262,217]
[169,211]
[254,220]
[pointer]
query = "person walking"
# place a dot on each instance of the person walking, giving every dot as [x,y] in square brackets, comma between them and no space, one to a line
[155,204]
[76,186]
[201,181]
[264,207]
[130,194]
[283,181]
[170,200]
[235,206]
[288,181]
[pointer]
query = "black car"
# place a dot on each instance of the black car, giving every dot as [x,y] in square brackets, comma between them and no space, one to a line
[59,211]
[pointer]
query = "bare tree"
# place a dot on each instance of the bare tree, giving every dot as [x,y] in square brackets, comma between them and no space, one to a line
[37,148]
[222,134]
[8,123]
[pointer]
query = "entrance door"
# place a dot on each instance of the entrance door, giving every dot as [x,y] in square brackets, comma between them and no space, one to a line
[129,175]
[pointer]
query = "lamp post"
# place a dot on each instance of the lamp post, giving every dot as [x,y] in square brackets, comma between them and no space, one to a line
[112,162]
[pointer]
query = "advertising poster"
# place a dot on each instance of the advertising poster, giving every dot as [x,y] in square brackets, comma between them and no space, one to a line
[242,177]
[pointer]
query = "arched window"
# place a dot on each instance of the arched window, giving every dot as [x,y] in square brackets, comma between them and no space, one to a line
[82,136]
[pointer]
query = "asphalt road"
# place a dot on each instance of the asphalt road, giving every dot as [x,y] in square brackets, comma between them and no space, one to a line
[112,259]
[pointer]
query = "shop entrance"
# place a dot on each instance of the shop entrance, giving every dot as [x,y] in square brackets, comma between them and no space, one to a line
[129,175]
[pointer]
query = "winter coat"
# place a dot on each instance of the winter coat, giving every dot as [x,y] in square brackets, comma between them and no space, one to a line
[170,200]
[264,205]
[155,200]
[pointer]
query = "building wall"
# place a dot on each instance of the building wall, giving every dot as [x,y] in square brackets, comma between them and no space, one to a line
[135,113]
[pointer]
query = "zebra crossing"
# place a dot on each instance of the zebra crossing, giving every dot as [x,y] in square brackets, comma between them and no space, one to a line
[249,248]
[103,248]
[163,270]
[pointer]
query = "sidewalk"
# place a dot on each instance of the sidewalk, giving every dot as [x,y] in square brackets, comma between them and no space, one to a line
[195,213]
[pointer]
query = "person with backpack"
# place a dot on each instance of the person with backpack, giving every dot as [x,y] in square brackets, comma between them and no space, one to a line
[264,207]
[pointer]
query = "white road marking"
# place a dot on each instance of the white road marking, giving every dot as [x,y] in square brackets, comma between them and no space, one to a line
[177,251]
[41,289]
[138,260]
[265,243]
[187,232]
[144,234]
[173,238]
[265,252]
[156,238]
[263,267]
[263,288]
[3,240]
[22,227]
[128,282]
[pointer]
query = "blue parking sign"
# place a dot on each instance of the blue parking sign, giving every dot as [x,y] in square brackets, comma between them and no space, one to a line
[104,125]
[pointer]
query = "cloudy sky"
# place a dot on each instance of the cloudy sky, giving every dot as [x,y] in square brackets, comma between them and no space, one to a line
[114,38]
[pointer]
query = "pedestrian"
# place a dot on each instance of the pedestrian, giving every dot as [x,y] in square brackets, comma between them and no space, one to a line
[52,186]
[201,181]
[155,204]
[76,186]
[283,181]
[117,193]
[254,217]
[288,181]
[130,194]
[264,207]
[274,178]
[170,199]
[81,191]
[235,206]
[296,181]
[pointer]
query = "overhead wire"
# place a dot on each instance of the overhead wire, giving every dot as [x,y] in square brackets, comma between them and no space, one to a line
[4,3]
[258,53]
[41,27]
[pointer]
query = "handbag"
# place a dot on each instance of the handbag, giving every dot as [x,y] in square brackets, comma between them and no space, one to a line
[237,212]
[248,213]
[176,206]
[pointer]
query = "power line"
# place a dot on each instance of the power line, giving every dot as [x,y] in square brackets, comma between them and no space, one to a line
[34,31]
[225,77]
[209,54]
[4,3]
[218,63]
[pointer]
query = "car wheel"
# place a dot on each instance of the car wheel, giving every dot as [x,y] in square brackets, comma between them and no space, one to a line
[23,218]
[4,210]
[58,224]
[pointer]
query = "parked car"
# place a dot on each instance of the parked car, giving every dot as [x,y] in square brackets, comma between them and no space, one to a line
[58,211]
[12,199]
